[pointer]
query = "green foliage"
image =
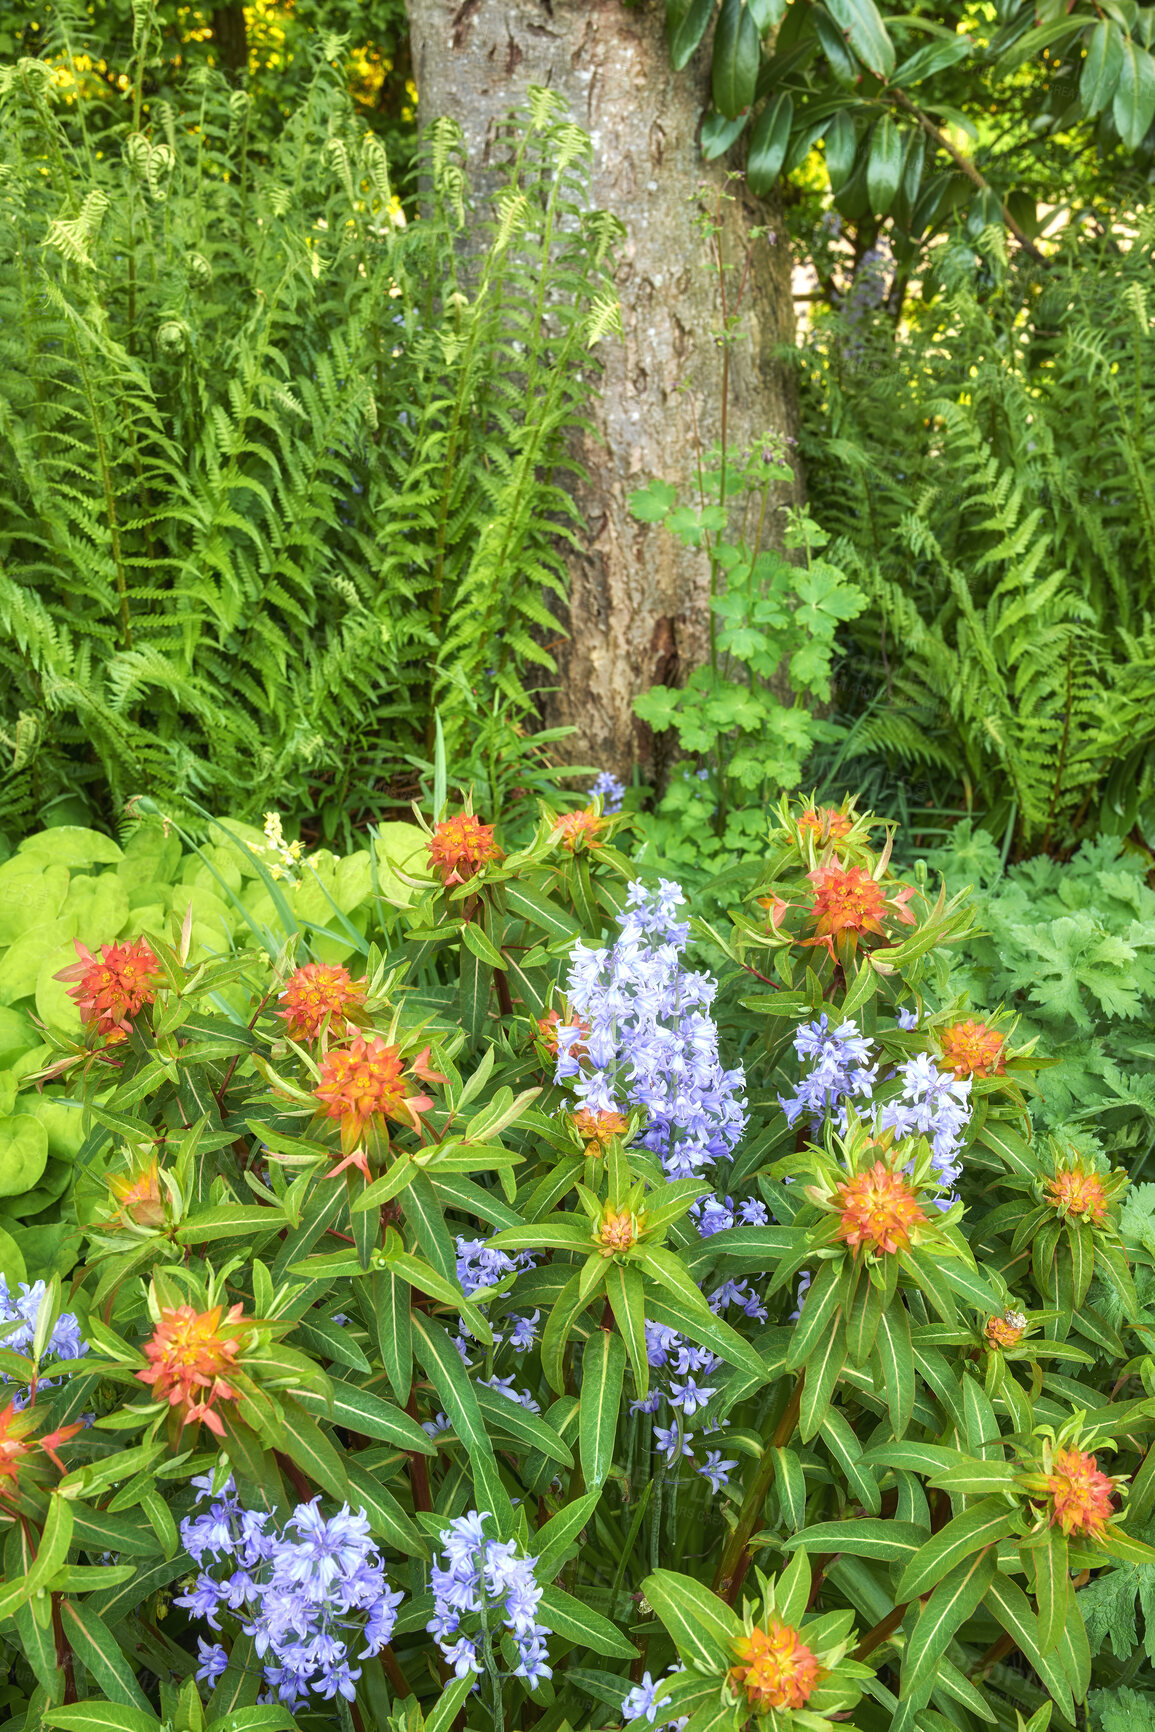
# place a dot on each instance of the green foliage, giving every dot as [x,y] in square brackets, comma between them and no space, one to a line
[952,118]
[893,1433]
[987,474]
[1071,948]
[280,474]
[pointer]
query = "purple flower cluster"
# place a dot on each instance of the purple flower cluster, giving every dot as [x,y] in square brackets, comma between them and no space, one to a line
[305,1594]
[486,1580]
[840,1071]
[479,1266]
[18,1318]
[611,791]
[686,1388]
[932,1104]
[714,1214]
[935,1105]
[651,1042]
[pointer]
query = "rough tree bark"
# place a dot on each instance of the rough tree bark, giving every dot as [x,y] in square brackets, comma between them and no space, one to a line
[638,601]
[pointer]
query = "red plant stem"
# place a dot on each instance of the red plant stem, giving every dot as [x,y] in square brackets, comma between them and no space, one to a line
[735,1559]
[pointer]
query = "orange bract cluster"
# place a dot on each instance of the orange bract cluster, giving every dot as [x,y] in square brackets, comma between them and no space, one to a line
[1007,1330]
[775,1668]
[367,1080]
[137,1195]
[972,1049]
[315,992]
[825,823]
[849,902]
[584,826]
[460,847]
[617,1232]
[596,1129]
[1080,1493]
[879,1210]
[113,988]
[191,1355]
[1074,1191]
[17,1445]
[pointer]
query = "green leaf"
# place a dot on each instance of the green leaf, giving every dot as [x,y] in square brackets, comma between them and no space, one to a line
[485,951]
[313,1452]
[737,59]
[475,981]
[702,1626]
[956,1598]
[441,1360]
[821,1378]
[768,144]
[982,1525]
[884,165]
[1134,103]
[600,1400]
[556,1539]
[502,1413]
[862,22]
[577,1622]
[229,1221]
[684,42]
[361,1410]
[706,1329]
[896,1358]
[100,1717]
[841,144]
[1006,1601]
[451,1699]
[386,1516]
[53,1545]
[1049,1554]
[1102,66]
[625,1291]
[390,1297]
[818,1308]
[890,1542]
[93,1642]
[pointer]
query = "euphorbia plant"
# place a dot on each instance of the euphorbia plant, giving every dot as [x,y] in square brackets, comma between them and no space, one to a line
[626,1343]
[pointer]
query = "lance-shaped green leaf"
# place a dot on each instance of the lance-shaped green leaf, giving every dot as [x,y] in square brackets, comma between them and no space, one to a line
[93,1642]
[956,1598]
[390,1304]
[1006,1601]
[820,1378]
[818,1308]
[701,1325]
[501,1413]
[100,1717]
[556,1539]
[577,1622]
[981,1525]
[386,1516]
[891,1542]
[52,1548]
[1047,1553]
[600,1400]
[626,1293]
[442,1362]
[703,1627]
[427,1279]
[361,1410]
[896,1359]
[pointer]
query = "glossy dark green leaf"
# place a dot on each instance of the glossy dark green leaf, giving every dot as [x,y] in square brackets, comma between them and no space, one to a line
[841,144]
[1134,103]
[689,32]
[862,22]
[884,165]
[93,1642]
[1102,66]
[600,1401]
[768,143]
[737,58]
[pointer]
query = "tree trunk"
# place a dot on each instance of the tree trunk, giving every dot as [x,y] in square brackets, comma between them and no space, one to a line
[638,601]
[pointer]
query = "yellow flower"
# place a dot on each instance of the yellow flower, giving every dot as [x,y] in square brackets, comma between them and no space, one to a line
[1075,1191]
[1080,1493]
[617,1231]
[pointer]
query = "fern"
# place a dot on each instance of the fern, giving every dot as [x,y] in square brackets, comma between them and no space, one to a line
[989,471]
[279,474]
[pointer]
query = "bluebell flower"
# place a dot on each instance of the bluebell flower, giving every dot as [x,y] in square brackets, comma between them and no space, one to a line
[524,1332]
[612,791]
[213,1660]
[647,1403]
[689,1397]
[643,1701]
[65,1341]
[907,1019]
[672,1442]
[504,1386]
[716,1469]
[649,1038]
[474,1571]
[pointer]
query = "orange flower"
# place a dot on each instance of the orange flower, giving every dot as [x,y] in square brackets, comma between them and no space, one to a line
[825,823]
[315,992]
[596,1129]
[575,827]
[775,1668]
[112,989]
[461,846]
[1080,1494]
[367,1080]
[972,1049]
[879,1209]
[1007,1330]
[138,1196]
[848,900]
[17,1444]
[191,1361]
[617,1231]
[1074,1191]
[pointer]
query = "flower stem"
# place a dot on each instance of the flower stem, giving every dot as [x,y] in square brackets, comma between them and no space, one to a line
[736,1556]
